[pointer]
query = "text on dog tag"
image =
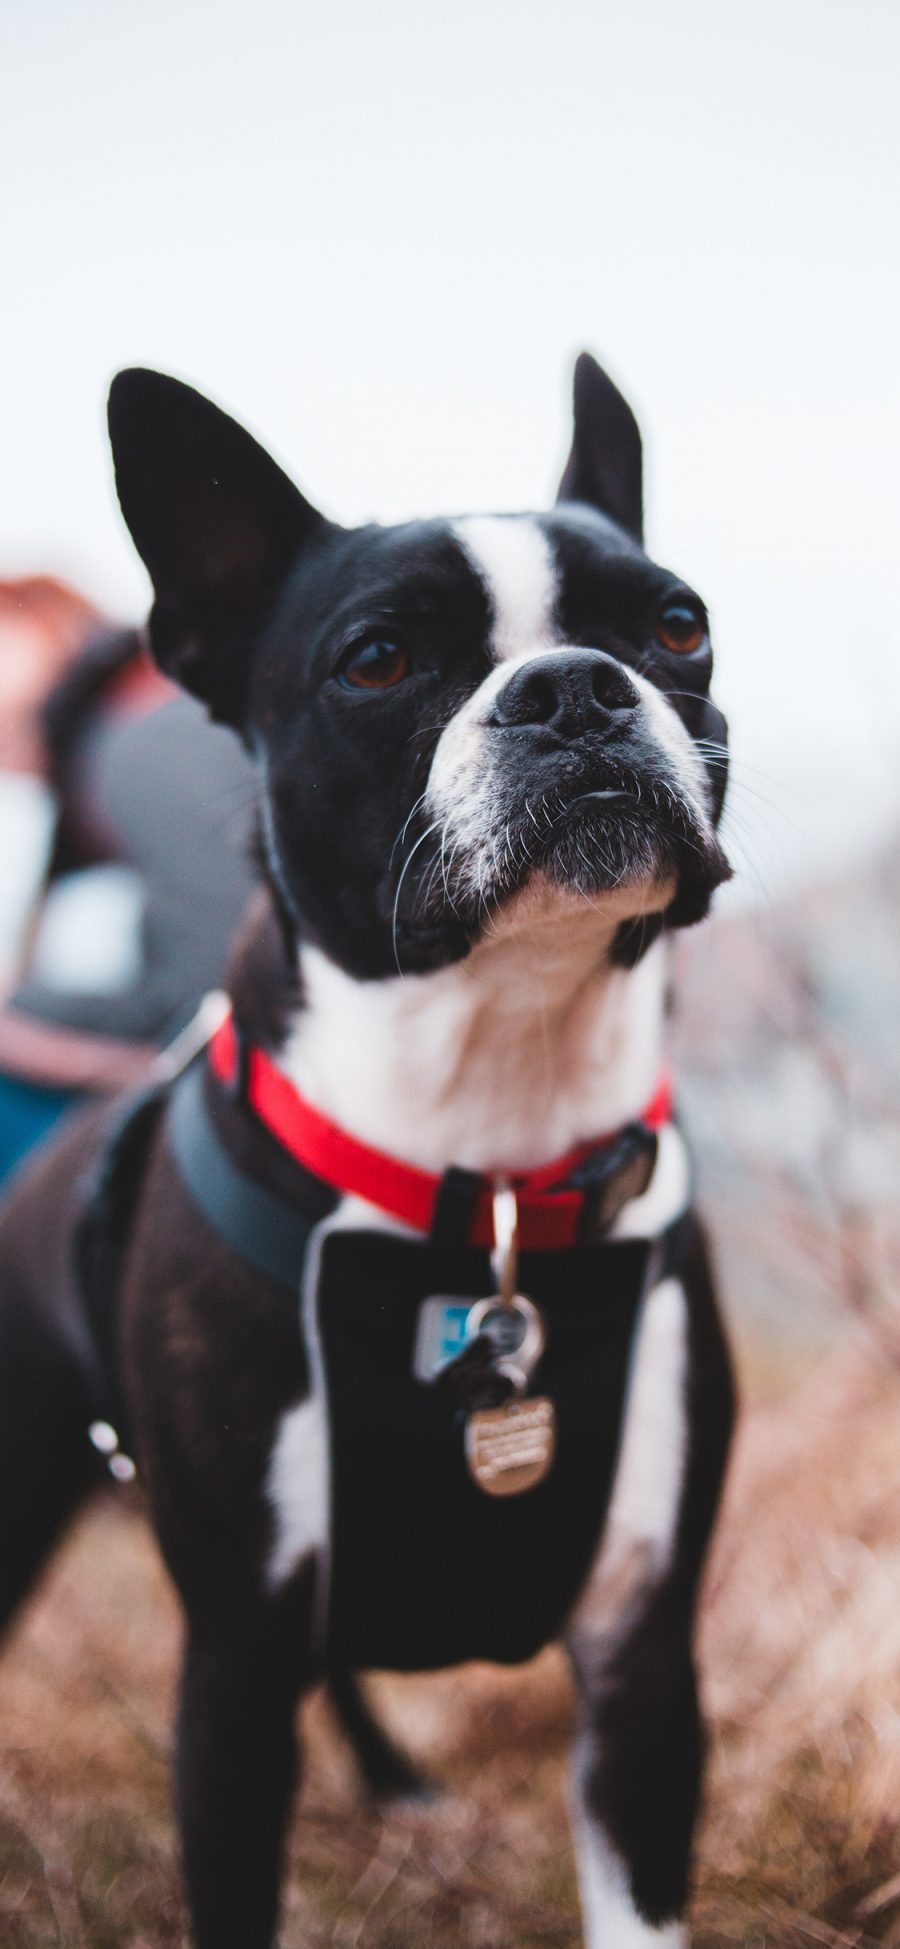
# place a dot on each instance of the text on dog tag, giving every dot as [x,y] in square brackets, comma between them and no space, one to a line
[510,1449]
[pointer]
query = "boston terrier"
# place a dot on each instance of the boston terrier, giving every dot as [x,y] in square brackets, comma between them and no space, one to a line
[394,1293]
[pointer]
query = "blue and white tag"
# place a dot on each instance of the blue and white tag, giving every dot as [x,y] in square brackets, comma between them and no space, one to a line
[442,1331]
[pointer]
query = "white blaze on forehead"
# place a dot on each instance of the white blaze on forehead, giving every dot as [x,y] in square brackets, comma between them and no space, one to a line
[513,557]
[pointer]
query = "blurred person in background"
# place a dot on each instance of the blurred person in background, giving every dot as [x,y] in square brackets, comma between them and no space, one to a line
[126,824]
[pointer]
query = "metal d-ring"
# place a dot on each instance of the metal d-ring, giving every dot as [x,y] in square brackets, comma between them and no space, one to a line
[519,1361]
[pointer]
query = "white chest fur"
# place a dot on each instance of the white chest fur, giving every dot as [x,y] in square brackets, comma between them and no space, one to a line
[531,1045]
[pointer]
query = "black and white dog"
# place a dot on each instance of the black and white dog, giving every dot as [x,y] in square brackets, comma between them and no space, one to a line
[490,776]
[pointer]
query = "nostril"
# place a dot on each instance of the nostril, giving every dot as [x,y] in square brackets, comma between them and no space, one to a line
[540,699]
[610,687]
[531,697]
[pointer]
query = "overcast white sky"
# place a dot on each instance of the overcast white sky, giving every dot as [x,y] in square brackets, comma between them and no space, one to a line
[378,234]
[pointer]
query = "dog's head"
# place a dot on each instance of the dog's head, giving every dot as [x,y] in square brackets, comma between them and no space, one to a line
[445,715]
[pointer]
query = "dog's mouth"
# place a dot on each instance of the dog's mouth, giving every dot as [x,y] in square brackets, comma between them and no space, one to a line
[607,794]
[633,831]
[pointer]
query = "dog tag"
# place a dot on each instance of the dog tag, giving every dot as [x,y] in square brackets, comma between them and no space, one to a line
[511,1448]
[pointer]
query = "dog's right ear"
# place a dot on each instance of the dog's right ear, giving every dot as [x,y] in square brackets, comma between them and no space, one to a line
[216,522]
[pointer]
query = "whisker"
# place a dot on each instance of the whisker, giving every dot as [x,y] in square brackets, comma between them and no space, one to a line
[419,842]
[405,826]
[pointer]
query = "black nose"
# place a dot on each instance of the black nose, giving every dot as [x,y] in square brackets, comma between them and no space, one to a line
[567,693]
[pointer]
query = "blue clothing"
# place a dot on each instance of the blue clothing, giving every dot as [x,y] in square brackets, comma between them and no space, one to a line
[28,1112]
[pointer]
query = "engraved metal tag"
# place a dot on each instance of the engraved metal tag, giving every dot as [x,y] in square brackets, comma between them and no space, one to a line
[510,1449]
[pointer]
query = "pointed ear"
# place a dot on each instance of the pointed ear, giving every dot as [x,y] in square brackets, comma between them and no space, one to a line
[604,466]
[216,522]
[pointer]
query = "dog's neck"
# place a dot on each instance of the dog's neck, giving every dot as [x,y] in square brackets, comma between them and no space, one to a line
[534,1043]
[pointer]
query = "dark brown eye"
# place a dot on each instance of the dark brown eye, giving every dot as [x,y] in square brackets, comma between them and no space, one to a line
[376,666]
[680,629]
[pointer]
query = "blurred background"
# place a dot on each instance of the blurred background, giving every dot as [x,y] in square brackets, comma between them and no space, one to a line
[379,236]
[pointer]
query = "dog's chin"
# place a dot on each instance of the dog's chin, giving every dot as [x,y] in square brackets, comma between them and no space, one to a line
[607,853]
[544,901]
[642,853]
[611,848]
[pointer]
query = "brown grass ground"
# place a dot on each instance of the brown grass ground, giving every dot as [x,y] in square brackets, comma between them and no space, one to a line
[801,1656]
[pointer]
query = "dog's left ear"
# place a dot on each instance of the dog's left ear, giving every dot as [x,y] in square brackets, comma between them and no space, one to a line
[604,467]
[217,524]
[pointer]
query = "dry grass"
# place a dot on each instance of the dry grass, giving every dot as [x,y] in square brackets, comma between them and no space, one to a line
[802,1660]
[802,1655]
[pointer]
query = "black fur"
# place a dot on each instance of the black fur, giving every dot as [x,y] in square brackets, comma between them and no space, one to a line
[217,523]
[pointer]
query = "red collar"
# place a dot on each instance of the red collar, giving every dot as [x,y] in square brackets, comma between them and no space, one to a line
[549,1218]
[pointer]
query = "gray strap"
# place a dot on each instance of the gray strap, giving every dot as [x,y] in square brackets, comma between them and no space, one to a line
[270,1234]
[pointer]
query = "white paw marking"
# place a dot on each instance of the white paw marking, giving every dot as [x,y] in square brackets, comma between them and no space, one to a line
[610,1917]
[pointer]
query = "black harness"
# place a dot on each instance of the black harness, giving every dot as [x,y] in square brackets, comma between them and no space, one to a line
[423,1568]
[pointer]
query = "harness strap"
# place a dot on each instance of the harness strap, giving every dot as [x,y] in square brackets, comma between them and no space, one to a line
[109,1197]
[266,1231]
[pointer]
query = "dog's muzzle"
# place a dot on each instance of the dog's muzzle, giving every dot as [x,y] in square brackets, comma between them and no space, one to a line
[566,763]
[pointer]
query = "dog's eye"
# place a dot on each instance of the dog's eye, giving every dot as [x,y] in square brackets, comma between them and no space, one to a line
[375,666]
[680,629]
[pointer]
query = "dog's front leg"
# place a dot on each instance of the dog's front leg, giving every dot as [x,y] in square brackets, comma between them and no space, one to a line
[639,1755]
[236,1772]
[637,1776]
